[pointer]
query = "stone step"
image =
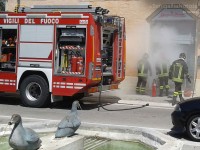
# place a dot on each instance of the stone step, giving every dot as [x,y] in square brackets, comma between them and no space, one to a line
[91,143]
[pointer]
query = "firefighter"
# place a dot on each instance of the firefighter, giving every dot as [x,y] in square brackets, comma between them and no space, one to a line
[10,42]
[143,67]
[162,71]
[177,71]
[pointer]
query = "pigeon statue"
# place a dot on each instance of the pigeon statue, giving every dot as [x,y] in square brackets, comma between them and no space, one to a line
[22,138]
[70,123]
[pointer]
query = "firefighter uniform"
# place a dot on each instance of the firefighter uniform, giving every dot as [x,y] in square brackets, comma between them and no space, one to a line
[162,71]
[143,68]
[177,71]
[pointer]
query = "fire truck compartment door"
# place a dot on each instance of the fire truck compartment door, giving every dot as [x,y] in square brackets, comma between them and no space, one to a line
[35,54]
[36,33]
[36,45]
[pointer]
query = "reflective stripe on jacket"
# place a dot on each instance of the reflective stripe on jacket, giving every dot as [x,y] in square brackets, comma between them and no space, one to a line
[143,68]
[162,70]
[178,69]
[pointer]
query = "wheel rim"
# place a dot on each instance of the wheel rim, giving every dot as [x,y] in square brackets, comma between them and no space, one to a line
[195,128]
[33,91]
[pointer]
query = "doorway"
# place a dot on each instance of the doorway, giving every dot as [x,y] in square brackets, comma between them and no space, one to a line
[173,31]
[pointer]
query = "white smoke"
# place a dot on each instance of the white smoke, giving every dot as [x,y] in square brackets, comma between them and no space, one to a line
[163,45]
[163,42]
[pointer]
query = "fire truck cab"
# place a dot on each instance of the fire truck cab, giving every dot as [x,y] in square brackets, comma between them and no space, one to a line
[50,53]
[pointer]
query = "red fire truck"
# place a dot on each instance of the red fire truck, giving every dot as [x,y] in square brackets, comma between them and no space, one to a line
[49,53]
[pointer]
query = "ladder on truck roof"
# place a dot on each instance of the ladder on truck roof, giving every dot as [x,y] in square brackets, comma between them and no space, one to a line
[120,47]
[62,8]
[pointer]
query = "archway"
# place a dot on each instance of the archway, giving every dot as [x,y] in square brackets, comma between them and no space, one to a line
[173,31]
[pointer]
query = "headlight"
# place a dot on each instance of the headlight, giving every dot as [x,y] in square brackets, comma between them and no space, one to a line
[177,108]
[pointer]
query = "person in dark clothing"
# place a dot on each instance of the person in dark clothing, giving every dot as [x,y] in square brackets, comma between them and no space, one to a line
[143,67]
[162,70]
[177,72]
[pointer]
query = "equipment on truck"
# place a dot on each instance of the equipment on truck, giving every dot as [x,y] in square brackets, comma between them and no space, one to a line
[79,66]
[57,52]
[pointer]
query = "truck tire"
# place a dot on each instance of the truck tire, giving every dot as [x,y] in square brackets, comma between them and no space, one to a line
[34,91]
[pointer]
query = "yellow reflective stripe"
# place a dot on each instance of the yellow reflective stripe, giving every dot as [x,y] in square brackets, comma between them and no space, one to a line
[142,75]
[177,80]
[161,87]
[94,79]
[162,74]
[167,86]
[137,89]
[175,94]
[142,70]
[165,74]
[180,72]
[167,71]
[179,92]
[93,48]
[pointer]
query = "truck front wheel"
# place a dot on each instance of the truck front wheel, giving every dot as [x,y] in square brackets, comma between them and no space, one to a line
[34,91]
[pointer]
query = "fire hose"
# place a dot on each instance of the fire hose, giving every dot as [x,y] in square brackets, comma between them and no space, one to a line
[100,102]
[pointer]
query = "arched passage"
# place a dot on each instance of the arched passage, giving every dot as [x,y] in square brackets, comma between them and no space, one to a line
[173,31]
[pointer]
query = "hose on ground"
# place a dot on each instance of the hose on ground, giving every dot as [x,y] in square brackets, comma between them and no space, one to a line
[101,105]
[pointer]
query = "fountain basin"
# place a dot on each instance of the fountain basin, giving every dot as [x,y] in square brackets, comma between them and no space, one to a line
[154,139]
[75,142]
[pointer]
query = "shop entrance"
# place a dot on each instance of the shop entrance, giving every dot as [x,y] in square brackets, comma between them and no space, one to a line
[173,31]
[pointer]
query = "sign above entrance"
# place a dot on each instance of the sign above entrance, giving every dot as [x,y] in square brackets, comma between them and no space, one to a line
[172,14]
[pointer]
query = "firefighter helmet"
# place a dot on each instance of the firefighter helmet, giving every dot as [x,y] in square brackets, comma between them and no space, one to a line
[182,55]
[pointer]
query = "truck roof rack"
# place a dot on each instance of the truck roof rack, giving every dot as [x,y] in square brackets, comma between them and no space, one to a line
[63,8]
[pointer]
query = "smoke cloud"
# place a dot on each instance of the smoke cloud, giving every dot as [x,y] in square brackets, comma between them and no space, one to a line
[163,43]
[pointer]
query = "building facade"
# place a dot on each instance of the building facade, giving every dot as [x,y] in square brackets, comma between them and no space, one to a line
[154,26]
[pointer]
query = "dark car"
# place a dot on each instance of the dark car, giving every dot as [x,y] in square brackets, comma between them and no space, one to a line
[186,117]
